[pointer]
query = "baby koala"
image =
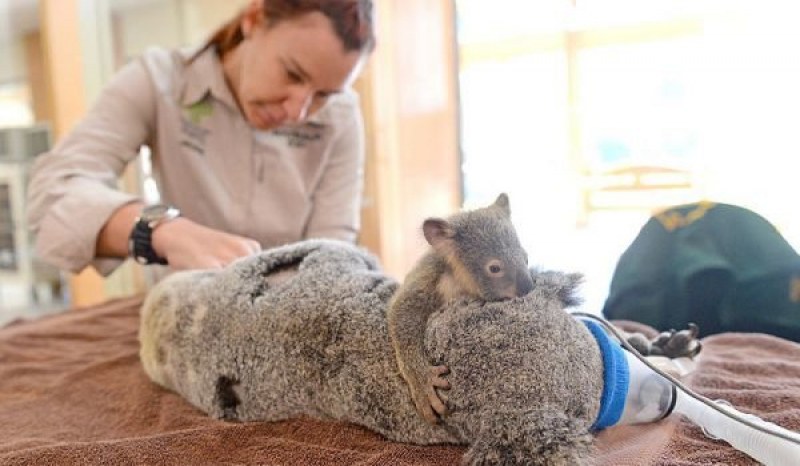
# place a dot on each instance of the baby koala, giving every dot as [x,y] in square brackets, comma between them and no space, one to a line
[474,254]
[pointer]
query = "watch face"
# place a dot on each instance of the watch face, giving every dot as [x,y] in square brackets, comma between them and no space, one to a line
[140,241]
[154,212]
[158,212]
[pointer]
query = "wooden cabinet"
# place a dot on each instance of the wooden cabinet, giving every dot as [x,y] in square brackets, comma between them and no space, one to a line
[410,102]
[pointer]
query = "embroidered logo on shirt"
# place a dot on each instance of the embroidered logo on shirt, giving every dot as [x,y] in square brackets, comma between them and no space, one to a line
[301,136]
[200,110]
[194,136]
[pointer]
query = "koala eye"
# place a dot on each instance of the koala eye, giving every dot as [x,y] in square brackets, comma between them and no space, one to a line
[495,268]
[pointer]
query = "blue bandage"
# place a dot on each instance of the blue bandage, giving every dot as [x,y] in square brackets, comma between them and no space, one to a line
[616,377]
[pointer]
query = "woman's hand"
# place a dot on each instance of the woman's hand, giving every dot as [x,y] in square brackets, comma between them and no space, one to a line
[189,245]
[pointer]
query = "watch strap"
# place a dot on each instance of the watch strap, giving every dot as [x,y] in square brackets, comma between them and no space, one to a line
[140,241]
[141,245]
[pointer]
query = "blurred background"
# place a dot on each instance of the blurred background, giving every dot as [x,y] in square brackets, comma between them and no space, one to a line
[591,115]
[594,114]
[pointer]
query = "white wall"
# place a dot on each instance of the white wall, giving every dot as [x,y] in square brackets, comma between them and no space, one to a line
[147,25]
[202,17]
[12,63]
[170,23]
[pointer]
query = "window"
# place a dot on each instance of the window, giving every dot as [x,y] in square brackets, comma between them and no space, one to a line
[554,93]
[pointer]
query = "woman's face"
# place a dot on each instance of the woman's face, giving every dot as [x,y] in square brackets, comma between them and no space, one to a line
[287,70]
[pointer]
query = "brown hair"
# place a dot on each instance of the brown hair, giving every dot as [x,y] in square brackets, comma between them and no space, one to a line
[351,20]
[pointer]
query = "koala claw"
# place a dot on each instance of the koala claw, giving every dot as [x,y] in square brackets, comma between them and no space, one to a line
[437,381]
[436,378]
[426,400]
[675,344]
[424,407]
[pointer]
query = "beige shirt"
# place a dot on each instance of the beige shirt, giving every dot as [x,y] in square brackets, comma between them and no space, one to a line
[277,186]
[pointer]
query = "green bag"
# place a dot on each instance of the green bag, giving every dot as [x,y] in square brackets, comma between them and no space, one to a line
[720,266]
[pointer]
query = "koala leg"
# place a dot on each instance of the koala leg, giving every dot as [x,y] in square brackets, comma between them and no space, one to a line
[536,436]
[672,344]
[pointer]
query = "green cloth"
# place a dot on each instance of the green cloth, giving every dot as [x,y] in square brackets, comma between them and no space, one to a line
[721,266]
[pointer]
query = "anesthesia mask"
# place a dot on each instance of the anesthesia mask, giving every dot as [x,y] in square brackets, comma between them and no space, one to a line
[636,392]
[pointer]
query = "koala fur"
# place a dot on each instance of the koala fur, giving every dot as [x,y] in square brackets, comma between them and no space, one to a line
[301,330]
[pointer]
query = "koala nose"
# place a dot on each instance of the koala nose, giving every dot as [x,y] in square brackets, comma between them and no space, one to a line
[524,283]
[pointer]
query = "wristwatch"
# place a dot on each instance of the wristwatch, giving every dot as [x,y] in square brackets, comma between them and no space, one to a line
[140,243]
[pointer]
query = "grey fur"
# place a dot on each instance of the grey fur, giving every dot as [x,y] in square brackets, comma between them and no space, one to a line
[473,253]
[526,377]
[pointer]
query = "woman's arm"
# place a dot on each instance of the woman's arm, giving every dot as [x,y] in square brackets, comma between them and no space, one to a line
[73,188]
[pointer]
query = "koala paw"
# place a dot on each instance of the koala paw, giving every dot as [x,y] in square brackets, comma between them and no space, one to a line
[676,344]
[426,399]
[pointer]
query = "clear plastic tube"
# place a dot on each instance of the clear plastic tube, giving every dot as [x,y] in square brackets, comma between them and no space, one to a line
[769,449]
[650,396]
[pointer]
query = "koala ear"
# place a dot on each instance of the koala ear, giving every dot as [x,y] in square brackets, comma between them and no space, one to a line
[503,203]
[437,231]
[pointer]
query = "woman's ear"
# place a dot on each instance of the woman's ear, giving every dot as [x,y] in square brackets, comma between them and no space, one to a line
[252,17]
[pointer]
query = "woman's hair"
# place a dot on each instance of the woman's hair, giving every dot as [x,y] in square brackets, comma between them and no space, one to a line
[351,20]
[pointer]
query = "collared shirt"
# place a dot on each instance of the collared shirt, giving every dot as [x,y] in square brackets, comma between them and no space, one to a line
[278,186]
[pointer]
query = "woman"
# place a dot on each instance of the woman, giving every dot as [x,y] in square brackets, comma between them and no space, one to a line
[256,141]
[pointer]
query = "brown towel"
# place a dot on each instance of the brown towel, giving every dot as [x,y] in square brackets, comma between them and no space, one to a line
[72,391]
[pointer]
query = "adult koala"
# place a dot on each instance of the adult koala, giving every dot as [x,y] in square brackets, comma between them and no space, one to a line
[301,330]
